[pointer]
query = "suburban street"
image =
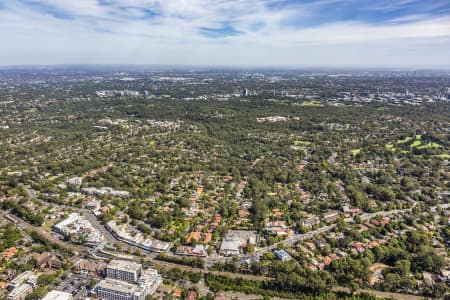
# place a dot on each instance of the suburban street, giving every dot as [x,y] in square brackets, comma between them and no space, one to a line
[149,258]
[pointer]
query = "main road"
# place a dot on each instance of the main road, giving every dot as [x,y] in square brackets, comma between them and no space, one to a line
[45,234]
[148,261]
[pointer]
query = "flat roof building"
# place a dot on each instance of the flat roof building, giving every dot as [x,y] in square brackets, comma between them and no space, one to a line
[282,255]
[25,277]
[230,247]
[124,270]
[57,295]
[113,289]
[79,228]
[20,292]
[129,234]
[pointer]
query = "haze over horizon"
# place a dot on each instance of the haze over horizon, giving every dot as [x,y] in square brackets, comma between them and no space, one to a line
[258,33]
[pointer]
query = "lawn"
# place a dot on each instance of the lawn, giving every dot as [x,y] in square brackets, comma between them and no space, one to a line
[313,103]
[31,110]
[429,146]
[390,147]
[302,143]
[416,143]
[356,151]
[177,225]
[405,140]
[47,226]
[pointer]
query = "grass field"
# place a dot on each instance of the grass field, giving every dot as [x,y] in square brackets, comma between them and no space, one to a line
[302,143]
[405,140]
[430,145]
[313,103]
[177,225]
[31,110]
[356,151]
[390,147]
[416,143]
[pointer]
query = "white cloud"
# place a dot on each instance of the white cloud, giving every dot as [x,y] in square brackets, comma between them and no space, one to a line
[111,34]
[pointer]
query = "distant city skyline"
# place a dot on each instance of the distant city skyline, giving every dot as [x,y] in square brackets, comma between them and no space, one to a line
[253,33]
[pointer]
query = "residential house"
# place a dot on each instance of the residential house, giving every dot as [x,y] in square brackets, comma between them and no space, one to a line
[193,236]
[358,247]
[282,255]
[310,222]
[192,295]
[9,253]
[47,260]
[198,250]
[277,228]
[331,216]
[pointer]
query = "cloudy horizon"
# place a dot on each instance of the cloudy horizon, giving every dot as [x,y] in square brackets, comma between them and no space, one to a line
[260,33]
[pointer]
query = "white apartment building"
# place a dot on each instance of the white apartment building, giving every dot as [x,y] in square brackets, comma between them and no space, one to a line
[113,289]
[20,292]
[25,277]
[124,270]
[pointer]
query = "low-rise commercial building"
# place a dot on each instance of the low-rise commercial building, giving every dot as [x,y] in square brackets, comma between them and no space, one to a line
[57,295]
[130,235]
[282,255]
[20,292]
[80,229]
[230,247]
[25,277]
[22,285]
[104,191]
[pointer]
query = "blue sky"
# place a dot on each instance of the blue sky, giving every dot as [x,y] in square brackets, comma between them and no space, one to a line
[293,33]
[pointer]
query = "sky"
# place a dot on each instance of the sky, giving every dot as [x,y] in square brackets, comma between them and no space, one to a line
[262,33]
